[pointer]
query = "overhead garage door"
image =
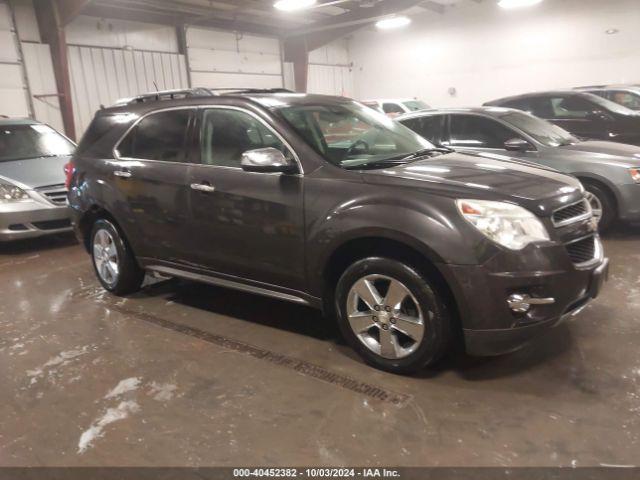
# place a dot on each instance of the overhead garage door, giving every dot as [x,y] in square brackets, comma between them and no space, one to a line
[102,75]
[220,59]
[13,91]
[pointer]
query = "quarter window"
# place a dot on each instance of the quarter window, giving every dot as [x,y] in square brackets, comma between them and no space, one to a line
[479,132]
[392,108]
[226,134]
[158,136]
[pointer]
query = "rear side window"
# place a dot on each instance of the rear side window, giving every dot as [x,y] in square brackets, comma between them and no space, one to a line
[479,132]
[430,127]
[158,136]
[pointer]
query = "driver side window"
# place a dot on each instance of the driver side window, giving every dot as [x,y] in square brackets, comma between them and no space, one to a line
[570,107]
[226,134]
[479,132]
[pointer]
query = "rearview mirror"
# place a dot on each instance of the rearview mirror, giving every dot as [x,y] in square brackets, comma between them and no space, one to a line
[267,160]
[517,145]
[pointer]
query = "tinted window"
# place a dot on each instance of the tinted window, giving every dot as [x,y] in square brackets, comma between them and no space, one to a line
[392,108]
[571,107]
[227,134]
[628,99]
[158,136]
[32,141]
[481,132]
[414,105]
[430,127]
[538,106]
[543,131]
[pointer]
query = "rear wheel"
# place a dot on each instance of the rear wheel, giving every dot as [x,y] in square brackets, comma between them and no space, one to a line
[391,315]
[602,204]
[113,261]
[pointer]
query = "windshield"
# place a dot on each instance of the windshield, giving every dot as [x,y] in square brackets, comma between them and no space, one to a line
[609,105]
[415,105]
[350,135]
[19,142]
[544,132]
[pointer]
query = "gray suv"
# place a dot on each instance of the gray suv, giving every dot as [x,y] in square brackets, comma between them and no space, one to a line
[322,201]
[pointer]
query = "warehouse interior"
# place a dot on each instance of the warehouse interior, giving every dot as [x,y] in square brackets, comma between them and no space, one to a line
[186,374]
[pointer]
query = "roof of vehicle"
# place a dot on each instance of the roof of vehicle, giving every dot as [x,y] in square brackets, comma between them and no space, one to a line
[538,94]
[633,88]
[17,121]
[432,111]
[391,100]
[265,98]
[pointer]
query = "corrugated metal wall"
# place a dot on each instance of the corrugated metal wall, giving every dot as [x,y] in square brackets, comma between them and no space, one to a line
[330,70]
[14,95]
[228,59]
[102,75]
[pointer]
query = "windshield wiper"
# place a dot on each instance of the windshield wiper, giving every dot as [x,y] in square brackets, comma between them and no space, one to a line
[382,163]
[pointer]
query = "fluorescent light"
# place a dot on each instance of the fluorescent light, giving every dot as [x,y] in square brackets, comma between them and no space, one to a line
[291,5]
[517,3]
[393,22]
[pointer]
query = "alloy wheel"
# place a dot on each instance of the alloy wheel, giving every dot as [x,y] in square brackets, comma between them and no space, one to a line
[105,256]
[596,205]
[385,316]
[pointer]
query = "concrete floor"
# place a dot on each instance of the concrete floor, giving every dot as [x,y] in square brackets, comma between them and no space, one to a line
[185,374]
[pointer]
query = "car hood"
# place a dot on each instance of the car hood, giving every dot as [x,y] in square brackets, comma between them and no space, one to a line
[482,176]
[607,152]
[34,172]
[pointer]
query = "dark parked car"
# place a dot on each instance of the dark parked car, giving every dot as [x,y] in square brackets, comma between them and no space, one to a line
[609,171]
[582,114]
[322,201]
[625,95]
[33,197]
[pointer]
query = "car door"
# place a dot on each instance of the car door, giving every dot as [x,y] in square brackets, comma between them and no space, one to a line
[578,116]
[431,127]
[150,182]
[245,224]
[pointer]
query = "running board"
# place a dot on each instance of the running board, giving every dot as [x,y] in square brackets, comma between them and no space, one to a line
[221,282]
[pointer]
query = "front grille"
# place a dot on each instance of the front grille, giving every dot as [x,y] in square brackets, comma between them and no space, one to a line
[571,213]
[52,224]
[582,251]
[56,194]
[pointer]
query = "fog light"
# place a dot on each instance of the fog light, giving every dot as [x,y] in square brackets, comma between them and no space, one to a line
[521,302]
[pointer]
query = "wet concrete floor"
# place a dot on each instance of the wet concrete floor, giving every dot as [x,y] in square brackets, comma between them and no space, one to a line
[184,374]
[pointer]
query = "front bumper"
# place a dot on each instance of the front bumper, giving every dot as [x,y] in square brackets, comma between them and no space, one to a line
[22,220]
[490,327]
[629,203]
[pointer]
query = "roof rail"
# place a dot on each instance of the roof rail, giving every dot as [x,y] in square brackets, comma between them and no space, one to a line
[164,95]
[231,90]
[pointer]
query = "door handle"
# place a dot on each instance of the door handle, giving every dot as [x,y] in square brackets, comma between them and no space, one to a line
[122,173]
[203,187]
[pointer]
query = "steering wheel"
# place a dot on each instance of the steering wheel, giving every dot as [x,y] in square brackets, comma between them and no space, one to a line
[355,144]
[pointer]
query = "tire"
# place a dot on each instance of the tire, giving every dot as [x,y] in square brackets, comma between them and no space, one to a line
[113,261]
[605,199]
[405,350]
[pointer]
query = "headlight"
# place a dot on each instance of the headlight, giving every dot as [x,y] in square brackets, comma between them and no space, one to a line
[11,193]
[508,225]
[635,174]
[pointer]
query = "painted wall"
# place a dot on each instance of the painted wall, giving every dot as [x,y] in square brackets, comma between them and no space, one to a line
[486,52]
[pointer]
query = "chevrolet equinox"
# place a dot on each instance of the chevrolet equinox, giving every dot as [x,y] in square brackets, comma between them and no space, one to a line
[322,201]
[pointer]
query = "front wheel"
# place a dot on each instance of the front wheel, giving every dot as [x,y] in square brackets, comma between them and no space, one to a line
[602,204]
[113,261]
[391,315]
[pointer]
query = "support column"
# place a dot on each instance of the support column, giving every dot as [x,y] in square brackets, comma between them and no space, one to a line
[51,26]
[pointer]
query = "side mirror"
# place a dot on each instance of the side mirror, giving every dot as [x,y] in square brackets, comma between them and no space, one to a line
[517,145]
[267,160]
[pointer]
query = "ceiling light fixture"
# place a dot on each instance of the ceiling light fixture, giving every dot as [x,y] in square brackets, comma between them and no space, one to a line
[393,22]
[293,5]
[517,3]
